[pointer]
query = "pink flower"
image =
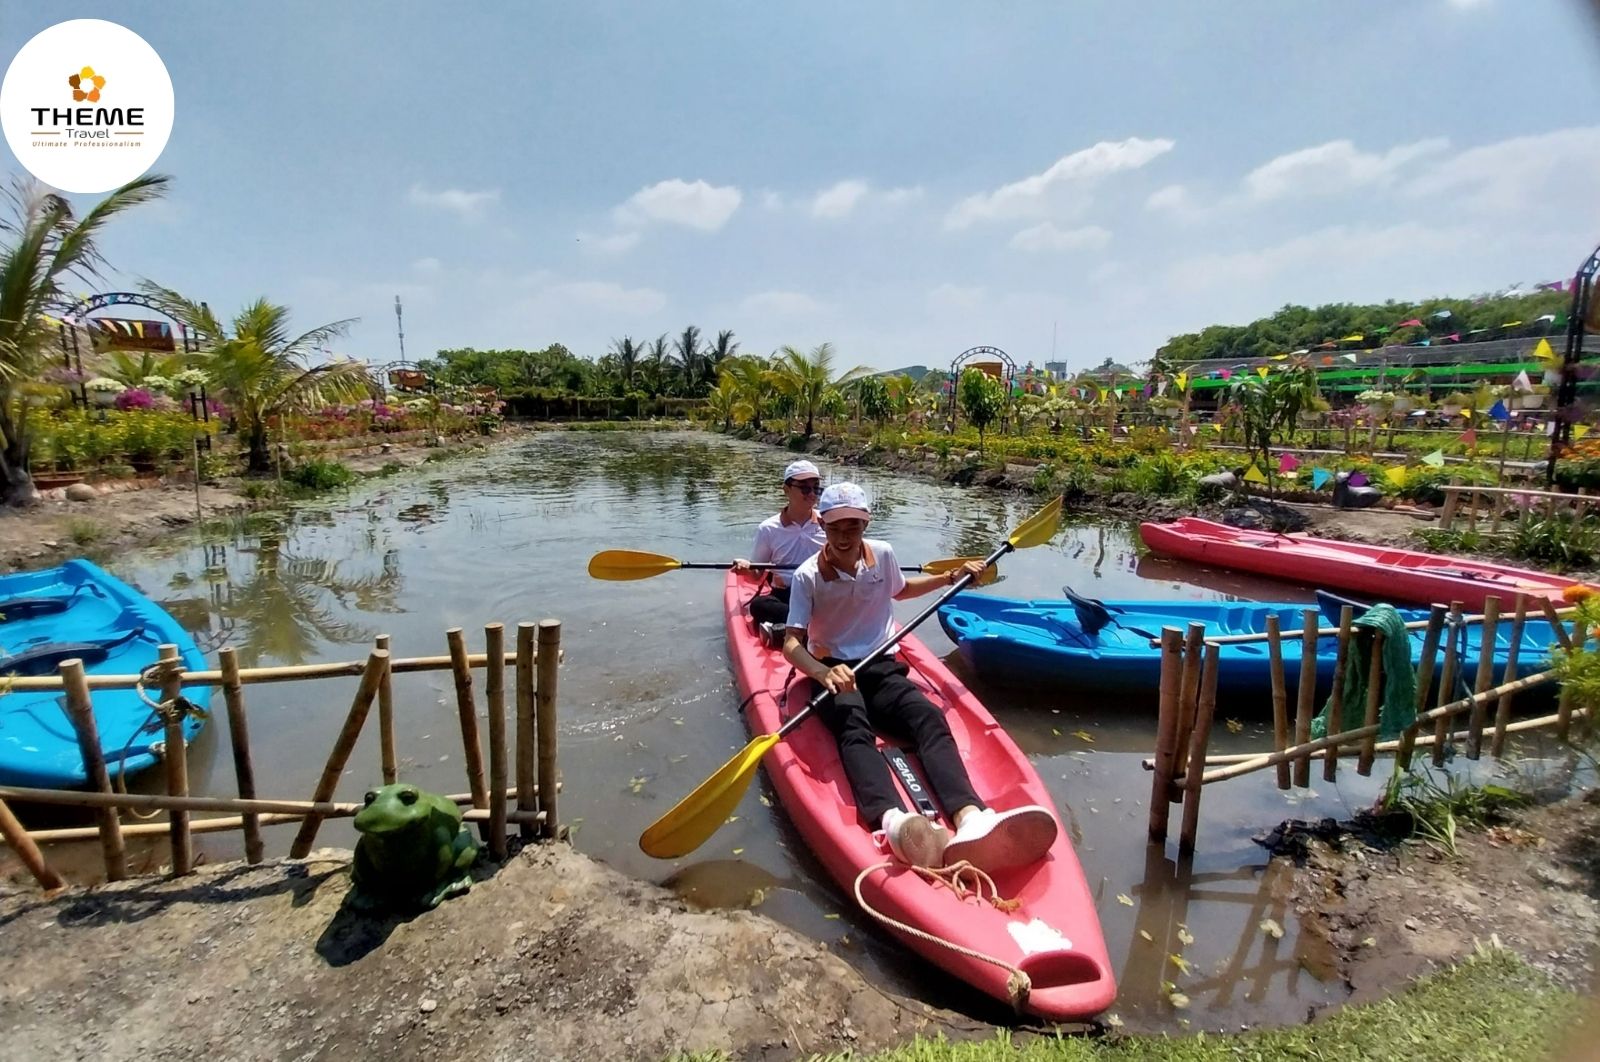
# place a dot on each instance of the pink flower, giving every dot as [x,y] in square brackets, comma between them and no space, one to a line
[135,398]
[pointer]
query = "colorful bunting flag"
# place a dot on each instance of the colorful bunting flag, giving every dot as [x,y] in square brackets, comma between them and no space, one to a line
[1454,337]
[1327,359]
[1441,314]
[1396,476]
[1279,357]
[1319,477]
[1288,463]
[1579,431]
[1511,324]
[1543,351]
[1413,323]
[1499,411]
[1216,426]
[1350,357]
[1354,338]
[1470,436]
[1545,317]
[1261,371]
[1253,474]
[1435,459]
[1182,381]
[1358,479]
[1523,385]
[1225,373]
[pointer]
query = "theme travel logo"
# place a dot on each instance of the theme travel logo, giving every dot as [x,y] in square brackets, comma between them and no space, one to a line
[86,145]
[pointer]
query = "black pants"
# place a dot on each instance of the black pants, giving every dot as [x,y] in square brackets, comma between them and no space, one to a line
[771,607]
[885,699]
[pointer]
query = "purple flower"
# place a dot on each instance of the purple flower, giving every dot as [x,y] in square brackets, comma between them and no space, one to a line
[60,374]
[135,398]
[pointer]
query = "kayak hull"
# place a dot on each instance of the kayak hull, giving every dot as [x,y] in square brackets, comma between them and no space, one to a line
[1385,574]
[38,745]
[1053,935]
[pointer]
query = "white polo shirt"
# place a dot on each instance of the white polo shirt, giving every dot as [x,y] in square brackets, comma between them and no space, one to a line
[847,614]
[780,541]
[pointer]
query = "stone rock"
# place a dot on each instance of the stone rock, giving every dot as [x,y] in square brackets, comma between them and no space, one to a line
[1226,480]
[81,492]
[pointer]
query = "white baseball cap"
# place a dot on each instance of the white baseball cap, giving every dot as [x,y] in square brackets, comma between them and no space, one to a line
[844,501]
[801,470]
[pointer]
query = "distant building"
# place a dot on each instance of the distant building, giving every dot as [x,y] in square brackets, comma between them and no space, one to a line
[1056,368]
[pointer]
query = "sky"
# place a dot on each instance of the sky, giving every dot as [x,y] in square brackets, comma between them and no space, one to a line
[904,179]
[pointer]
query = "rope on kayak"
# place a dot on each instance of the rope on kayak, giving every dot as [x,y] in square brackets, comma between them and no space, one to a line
[178,707]
[964,880]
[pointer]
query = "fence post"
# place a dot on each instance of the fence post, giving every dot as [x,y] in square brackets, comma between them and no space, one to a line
[1189,692]
[1305,705]
[1447,681]
[244,771]
[1485,678]
[1166,731]
[527,749]
[1330,760]
[1374,697]
[175,758]
[1430,650]
[1280,695]
[549,642]
[467,711]
[494,689]
[1452,499]
[1194,776]
[377,663]
[27,851]
[1502,714]
[386,750]
[80,710]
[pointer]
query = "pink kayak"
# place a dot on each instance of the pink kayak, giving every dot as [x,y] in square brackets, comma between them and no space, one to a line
[1374,571]
[1053,934]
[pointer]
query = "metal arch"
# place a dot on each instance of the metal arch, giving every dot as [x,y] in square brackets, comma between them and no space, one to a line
[1583,302]
[76,312]
[970,354]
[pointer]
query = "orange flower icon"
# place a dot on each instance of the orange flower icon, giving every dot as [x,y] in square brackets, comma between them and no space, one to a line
[86,85]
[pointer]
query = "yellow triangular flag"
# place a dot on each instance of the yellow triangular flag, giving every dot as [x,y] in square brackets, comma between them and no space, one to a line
[1261,371]
[1579,431]
[1280,357]
[1543,351]
[1182,381]
[1253,475]
[1216,426]
[1396,475]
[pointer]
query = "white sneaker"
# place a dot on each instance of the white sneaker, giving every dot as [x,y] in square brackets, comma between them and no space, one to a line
[771,634]
[914,839]
[998,840]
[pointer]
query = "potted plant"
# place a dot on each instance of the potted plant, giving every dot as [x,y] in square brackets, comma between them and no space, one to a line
[1163,406]
[1534,400]
[1313,411]
[1403,402]
[103,391]
[1454,402]
[1377,401]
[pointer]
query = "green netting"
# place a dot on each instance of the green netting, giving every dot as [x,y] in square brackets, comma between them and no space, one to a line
[1399,706]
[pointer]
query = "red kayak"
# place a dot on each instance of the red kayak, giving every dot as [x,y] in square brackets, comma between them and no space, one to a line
[1053,935]
[1384,574]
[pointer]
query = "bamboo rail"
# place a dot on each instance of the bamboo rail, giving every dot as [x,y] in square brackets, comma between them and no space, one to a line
[306,811]
[253,675]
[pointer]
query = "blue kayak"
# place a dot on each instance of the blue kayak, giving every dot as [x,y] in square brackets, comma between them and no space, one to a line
[79,610]
[1087,644]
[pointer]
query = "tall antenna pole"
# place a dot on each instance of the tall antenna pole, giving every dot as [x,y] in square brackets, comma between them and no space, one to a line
[400,325]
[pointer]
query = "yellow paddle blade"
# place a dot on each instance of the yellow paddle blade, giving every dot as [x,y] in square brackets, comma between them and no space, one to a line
[620,565]
[1039,528]
[697,816]
[944,564]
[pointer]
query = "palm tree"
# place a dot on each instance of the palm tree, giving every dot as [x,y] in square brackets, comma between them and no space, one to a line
[724,348]
[723,401]
[46,247]
[657,368]
[628,354]
[754,382]
[261,370]
[687,347]
[807,379]
[133,367]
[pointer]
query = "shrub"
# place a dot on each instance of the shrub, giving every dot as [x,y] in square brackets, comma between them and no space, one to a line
[319,475]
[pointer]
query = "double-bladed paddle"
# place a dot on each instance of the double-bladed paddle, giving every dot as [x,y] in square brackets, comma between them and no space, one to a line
[621,565]
[697,816]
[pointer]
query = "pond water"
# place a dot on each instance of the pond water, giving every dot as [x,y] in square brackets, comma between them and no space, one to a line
[647,706]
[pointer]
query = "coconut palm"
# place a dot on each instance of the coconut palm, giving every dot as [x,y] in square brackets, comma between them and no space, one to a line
[628,355]
[755,383]
[134,367]
[723,401]
[261,370]
[690,359]
[48,251]
[807,379]
[657,371]
[724,348]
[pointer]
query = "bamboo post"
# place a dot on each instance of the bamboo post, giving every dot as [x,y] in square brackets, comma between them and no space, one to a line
[1564,701]
[1195,774]
[1485,679]
[1447,681]
[1305,707]
[377,663]
[549,642]
[1472,509]
[80,710]
[527,767]
[386,747]
[1280,696]
[494,689]
[1556,626]
[1330,762]
[1188,692]
[244,770]
[1166,731]
[175,757]
[27,851]
[1452,499]
[1374,699]
[1502,714]
[468,714]
[1430,649]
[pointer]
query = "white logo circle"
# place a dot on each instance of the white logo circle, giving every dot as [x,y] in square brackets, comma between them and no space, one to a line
[87,106]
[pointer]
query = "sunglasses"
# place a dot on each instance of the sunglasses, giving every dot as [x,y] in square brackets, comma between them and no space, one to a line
[806,486]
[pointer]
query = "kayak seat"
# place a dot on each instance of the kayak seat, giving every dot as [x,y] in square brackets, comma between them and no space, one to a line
[18,608]
[44,658]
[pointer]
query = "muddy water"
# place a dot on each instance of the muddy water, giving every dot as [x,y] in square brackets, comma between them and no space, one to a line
[647,706]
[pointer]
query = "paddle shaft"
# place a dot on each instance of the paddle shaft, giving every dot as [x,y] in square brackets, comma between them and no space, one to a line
[888,644]
[722,566]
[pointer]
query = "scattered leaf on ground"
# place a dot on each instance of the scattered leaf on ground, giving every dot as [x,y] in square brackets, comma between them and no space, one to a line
[1272,929]
[1185,938]
[1233,725]
[1124,899]
[1180,962]
[1178,1000]
[1145,933]
[1083,735]
[834,917]
[1113,1021]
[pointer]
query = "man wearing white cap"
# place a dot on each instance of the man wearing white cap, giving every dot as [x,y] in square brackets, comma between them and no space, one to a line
[787,538]
[841,607]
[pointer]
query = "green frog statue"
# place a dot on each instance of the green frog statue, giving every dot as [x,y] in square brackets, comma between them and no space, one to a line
[414,850]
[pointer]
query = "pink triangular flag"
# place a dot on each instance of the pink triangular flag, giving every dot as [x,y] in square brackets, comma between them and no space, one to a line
[1288,463]
[1470,436]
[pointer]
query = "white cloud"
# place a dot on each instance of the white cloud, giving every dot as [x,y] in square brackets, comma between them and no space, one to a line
[1467,4]
[614,244]
[1318,256]
[842,199]
[428,266]
[956,297]
[1520,173]
[1336,166]
[1061,188]
[469,205]
[782,304]
[605,296]
[771,200]
[1046,237]
[1174,197]
[693,204]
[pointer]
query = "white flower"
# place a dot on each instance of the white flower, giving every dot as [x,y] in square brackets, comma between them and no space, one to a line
[105,383]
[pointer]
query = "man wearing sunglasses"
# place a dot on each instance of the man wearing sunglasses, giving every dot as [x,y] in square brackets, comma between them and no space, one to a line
[788,538]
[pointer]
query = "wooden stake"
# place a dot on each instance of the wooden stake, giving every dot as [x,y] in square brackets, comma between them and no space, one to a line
[1166,731]
[468,714]
[27,851]
[1305,706]
[1280,695]
[80,710]
[1195,774]
[1447,681]
[527,765]
[1556,626]
[549,641]
[1430,649]
[244,770]
[1452,501]
[494,689]
[1188,693]
[1374,699]
[1485,679]
[175,757]
[1564,701]
[1502,714]
[377,662]
[1330,763]
[386,749]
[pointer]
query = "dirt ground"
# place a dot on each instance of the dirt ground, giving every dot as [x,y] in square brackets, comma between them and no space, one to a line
[554,956]
[1393,913]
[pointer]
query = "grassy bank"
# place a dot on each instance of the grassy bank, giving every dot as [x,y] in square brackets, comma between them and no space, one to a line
[1490,1007]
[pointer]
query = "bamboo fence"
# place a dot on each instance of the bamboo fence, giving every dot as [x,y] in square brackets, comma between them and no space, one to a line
[533,791]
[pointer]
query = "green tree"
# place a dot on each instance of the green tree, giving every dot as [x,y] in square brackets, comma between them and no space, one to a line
[47,252]
[807,379]
[262,370]
[981,397]
[1268,407]
[658,367]
[628,355]
[752,376]
[133,367]
[720,351]
[722,402]
[691,362]
[873,400]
